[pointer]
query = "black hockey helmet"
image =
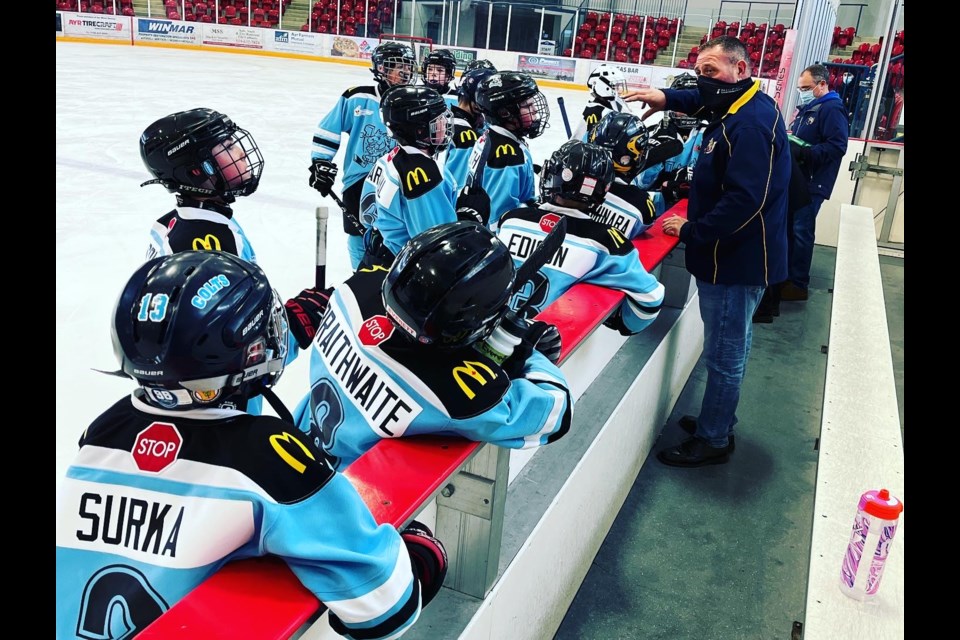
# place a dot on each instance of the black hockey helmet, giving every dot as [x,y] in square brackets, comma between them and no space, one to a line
[469,82]
[417,116]
[201,153]
[479,64]
[577,171]
[393,56]
[624,135]
[513,101]
[450,285]
[684,81]
[197,327]
[441,58]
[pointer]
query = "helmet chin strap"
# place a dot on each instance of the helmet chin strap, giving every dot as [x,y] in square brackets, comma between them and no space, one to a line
[277,405]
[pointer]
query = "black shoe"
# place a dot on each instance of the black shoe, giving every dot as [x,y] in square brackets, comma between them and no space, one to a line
[694,452]
[763,318]
[689,424]
[792,293]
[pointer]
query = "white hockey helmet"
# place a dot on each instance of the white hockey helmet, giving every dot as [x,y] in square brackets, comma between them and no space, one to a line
[607,81]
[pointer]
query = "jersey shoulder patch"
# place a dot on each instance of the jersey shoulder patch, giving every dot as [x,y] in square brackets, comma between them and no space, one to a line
[465,381]
[604,234]
[200,235]
[592,113]
[504,152]
[418,174]
[464,137]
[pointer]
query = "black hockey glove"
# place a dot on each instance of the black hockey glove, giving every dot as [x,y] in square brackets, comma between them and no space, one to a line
[304,313]
[675,186]
[539,335]
[473,204]
[428,557]
[615,322]
[323,174]
[662,147]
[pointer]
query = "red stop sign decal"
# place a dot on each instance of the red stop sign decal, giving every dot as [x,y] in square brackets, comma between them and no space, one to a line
[548,222]
[375,330]
[157,447]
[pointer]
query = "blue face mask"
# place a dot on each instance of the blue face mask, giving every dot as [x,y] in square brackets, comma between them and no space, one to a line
[806,97]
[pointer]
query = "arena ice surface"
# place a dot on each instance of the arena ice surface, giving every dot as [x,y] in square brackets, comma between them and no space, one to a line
[106,95]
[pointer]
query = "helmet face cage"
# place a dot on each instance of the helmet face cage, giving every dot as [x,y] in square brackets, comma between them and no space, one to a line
[199,327]
[202,153]
[437,69]
[626,138]
[450,285]
[577,171]
[606,81]
[513,101]
[394,64]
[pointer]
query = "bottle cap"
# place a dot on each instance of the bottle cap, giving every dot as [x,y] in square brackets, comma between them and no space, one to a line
[881,504]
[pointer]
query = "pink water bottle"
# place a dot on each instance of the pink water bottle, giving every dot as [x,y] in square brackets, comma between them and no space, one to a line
[873,529]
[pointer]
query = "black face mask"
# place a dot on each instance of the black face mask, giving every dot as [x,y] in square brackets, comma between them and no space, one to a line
[717,96]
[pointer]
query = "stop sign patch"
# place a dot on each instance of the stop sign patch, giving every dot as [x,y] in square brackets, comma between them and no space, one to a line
[157,447]
[375,330]
[548,222]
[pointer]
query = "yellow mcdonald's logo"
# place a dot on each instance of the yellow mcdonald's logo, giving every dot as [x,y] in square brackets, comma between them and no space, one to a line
[618,238]
[415,176]
[592,118]
[208,243]
[469,369]
[504,149]
[468,134]
[277,440]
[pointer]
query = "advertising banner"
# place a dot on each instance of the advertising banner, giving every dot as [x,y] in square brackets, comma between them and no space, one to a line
[223,35]
[547,67]
[782,80]
[463,56]
[296,42]
[97,25]
[150,30]
[638,77]
[350,47]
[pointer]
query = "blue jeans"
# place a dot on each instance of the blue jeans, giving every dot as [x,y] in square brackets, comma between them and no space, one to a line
[801,251]
[727,312]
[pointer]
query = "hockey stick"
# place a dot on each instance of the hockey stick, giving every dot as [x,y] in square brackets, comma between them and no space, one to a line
[321,272]
[351,219]
[538,258]
[563,114]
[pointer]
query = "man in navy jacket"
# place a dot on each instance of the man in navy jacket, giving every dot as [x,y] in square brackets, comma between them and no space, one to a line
[820,131]
[735,232]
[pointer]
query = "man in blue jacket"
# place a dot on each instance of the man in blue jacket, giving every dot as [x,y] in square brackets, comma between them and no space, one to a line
[735,232]
[820,131]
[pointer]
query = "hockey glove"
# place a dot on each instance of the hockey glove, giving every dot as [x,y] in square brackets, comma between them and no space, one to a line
[662,147]
[801,153]
[428,557]
[540,336]
[473,204]
[323,174]
[675,186]
[615,322]
[304,313]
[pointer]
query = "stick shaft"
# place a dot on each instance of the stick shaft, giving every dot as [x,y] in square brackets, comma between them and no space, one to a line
[563,114]
[320,275]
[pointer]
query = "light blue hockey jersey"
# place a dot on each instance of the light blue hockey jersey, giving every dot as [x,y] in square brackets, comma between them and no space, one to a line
[592,252]
[157,501]
[630,209]
[406,193]
[502,164]
[369,382]
[356,113]
[457,156]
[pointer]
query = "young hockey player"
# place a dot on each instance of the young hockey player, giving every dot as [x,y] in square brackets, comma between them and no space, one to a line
[468,125]
[207,161]
[437,72]
[173,482]
[403,352]
[408,191]
[515,109]
[606,83]
[627,207]
[357,113]
[573,183]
